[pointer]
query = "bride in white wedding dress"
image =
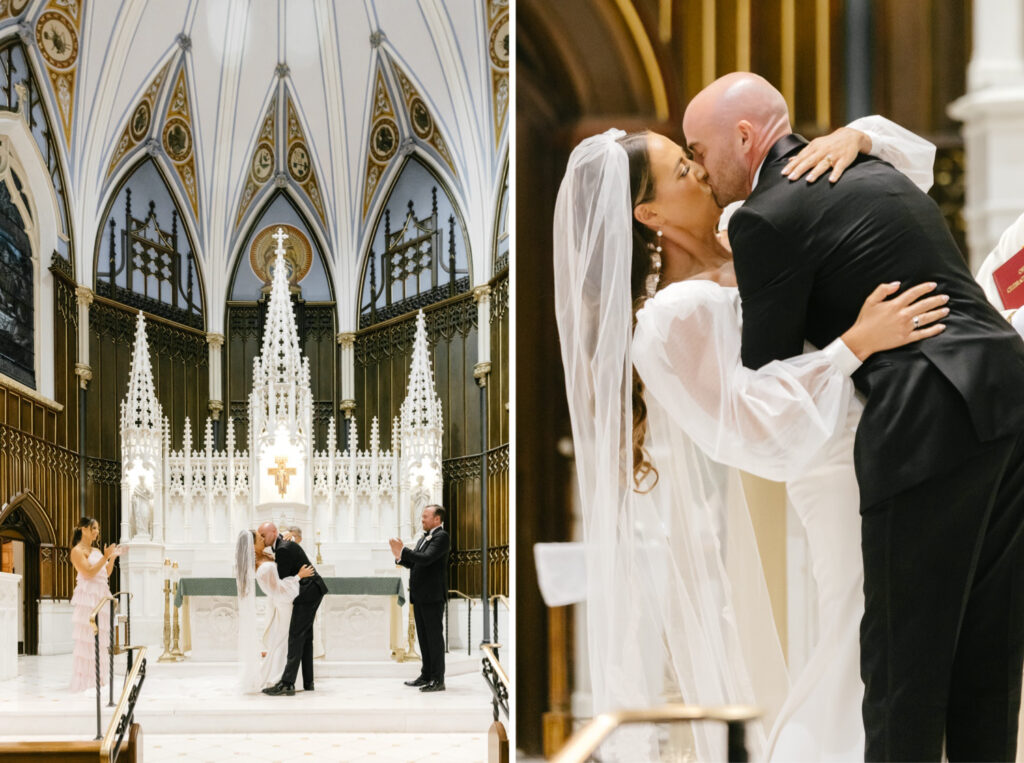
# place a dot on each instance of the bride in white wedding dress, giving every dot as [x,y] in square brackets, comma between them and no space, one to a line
[253,564]
[676,601]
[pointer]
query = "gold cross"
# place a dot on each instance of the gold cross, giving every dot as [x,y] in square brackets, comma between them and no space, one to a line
[281,474]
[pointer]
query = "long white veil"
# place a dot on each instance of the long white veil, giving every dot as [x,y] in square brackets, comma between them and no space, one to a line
[248,646]
[677,608]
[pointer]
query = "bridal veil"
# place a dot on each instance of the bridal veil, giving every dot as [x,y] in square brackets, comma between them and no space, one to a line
[677,608]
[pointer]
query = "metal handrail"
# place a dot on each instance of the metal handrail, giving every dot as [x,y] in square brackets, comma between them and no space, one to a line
[127,624]
[496,678]
[469,620]
[96,636]
[121,720]
[494,629]
[584,742]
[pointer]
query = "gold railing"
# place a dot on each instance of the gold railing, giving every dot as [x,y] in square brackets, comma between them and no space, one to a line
[584,742]
[121,721]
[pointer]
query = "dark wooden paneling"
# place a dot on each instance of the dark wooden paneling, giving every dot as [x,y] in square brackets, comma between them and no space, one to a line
[383,354]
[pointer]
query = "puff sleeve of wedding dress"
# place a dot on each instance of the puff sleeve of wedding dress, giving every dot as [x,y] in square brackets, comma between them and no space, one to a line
[279,590]
[771,422]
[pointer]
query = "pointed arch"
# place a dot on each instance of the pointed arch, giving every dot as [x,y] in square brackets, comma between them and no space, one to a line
[163,274]
[20,92]
[35,513]
[258,221]
[500,247]
[418,245]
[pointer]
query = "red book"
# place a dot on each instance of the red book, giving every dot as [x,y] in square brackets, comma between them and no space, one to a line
[1009,278]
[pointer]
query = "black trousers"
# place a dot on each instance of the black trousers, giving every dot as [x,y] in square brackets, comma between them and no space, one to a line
[429,633]
[300,638]
[942,639]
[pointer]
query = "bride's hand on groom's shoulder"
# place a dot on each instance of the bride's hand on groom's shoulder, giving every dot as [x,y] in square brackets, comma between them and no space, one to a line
[835,151]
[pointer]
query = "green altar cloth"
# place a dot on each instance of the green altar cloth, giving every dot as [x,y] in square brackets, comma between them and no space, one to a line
[382,586]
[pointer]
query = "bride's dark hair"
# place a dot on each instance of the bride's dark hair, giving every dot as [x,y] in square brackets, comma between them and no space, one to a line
[641,190]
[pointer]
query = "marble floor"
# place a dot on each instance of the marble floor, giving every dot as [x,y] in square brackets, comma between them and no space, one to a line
[194,712]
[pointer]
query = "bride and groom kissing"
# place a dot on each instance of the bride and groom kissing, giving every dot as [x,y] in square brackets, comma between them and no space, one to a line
[685,360]
[294,591]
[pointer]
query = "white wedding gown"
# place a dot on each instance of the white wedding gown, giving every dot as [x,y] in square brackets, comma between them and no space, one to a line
[791,421]
[281,592]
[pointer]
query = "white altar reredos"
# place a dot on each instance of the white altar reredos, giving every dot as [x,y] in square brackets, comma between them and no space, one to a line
[189,505]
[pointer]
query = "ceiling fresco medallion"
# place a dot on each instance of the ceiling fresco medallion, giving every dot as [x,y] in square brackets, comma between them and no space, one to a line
[57,40]
[177,139]
[263,163]
[139,123]
[298,253]
[384,141]
[298,162]
[499,44]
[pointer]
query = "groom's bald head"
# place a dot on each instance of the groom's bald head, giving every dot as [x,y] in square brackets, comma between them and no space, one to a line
[730,125]
[268,531]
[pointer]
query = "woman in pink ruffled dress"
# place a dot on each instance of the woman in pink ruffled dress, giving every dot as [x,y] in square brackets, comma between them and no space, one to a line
[94,568]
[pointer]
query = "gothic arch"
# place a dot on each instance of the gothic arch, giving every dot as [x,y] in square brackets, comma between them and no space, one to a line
[38,520]
[429,165]
[253,220]
[191,314]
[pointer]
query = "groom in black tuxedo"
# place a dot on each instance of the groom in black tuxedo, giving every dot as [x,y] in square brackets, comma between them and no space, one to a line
[428,591]
[290,558]
[939,450]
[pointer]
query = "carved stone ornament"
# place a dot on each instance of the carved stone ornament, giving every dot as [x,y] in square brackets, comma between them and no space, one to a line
[84,373]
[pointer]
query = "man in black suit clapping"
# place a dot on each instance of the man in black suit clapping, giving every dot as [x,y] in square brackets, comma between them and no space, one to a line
[428,587]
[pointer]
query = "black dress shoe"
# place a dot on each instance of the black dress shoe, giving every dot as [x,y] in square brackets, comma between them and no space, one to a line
[308,688]
[433,686]
[280,688]
[421,681]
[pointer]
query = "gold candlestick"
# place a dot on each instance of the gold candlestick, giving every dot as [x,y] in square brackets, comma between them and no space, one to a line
[411,653]
[319,559]
[167,656]
[176,648]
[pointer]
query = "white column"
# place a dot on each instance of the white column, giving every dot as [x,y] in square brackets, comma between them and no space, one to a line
[82,368]
[215,343]
[482,295]
[347,341]
[9,583]
[993,115]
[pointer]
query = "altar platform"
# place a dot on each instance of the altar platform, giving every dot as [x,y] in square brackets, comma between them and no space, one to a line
[197,698]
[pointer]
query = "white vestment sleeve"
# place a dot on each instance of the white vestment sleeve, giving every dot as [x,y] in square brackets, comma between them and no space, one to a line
[1011,242]
[909,153]
[771,422]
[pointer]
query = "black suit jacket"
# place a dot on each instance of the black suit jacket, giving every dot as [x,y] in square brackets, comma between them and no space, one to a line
[428,568]
[808,254]
[290,557]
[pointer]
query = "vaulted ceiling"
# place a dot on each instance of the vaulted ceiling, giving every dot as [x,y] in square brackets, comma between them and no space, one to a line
[235,98]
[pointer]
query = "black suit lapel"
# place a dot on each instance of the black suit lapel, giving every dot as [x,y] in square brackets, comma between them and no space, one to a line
[784,146]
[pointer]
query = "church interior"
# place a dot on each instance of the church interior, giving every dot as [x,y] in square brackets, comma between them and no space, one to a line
[160,164]
[948,70]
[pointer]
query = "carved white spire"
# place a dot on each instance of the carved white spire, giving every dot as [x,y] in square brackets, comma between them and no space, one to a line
[140,408]
[280,359]
[280,393]
[422,407]
[143,439]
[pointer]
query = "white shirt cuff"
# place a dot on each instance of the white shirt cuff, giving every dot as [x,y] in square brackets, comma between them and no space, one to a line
[842,357]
